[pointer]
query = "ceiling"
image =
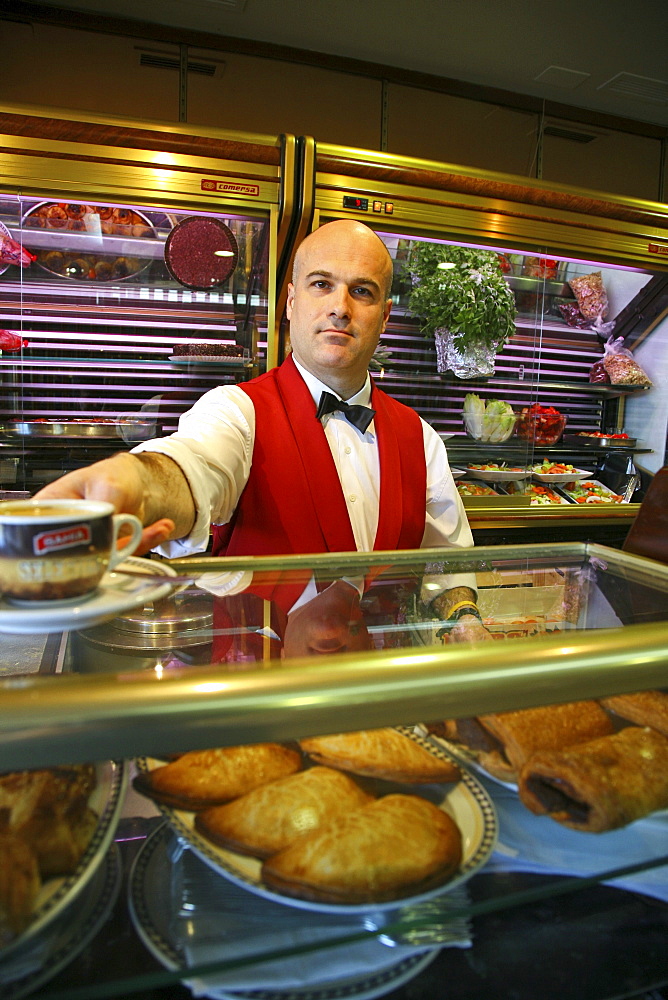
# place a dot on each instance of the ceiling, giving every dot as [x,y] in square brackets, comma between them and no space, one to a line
[602,55]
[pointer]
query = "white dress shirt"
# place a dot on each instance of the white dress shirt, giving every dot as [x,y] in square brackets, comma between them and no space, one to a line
[214,448]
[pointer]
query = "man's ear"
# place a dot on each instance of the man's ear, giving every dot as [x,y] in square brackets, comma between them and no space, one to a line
[386,314]
[289,300]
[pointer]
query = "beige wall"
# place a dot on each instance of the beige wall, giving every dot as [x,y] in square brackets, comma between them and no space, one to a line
[455,130]
[264,95]
[90,71]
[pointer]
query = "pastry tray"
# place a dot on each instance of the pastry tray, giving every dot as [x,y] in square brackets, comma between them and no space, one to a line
[74,429]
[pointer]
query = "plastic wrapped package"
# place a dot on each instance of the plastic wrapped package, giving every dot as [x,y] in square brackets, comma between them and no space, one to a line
[591,295]
[621,366]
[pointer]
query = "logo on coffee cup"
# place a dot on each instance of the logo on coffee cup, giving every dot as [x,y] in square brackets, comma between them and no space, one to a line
[61,538]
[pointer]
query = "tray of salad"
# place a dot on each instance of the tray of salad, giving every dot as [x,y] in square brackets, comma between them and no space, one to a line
[558,472]
[498,472]
[539,494]
[466,489]
[590,491]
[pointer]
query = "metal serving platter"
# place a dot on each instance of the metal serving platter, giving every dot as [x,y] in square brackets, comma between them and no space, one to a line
[75,429]
[585,441]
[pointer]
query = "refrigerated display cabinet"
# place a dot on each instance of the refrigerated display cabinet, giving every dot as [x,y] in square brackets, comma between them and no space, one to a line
[544,236]
[571,623]
[99,307]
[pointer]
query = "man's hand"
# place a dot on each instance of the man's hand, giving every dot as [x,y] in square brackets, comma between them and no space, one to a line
[152,488]
[468,629]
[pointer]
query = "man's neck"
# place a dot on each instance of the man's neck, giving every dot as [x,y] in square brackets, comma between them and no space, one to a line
[344,387]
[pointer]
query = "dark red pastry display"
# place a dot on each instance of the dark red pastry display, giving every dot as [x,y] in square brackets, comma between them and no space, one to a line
[201,253]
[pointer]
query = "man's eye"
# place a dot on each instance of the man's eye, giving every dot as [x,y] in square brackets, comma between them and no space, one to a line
[362,290]
[320,283]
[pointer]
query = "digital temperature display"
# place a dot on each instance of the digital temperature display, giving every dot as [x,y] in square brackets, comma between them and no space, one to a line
[361,204]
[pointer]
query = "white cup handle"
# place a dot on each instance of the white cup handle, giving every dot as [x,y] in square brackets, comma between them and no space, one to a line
[118,555]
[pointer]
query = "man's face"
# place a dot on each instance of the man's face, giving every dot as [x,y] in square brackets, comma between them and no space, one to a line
[338,305]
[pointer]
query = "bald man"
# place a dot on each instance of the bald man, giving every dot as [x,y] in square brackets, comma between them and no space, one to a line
[310,456]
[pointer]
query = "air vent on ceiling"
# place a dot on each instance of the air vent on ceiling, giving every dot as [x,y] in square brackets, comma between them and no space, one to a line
[172,62]
[569,134]
[642,88]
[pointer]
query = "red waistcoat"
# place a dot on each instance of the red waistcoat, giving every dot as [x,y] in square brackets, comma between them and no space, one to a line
[293,501]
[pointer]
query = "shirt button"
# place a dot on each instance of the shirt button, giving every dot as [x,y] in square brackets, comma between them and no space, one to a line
[347,450]
[352,498]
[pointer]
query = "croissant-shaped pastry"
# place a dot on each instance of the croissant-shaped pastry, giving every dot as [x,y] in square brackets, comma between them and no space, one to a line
[204,778]
[270,817]
[395,846]
[380,753]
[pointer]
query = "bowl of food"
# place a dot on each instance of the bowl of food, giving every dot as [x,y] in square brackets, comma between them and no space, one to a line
[541,424]
[492,421]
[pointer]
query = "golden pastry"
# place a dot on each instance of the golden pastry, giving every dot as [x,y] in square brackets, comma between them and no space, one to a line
[204,778]
[551,727]
[395,846]
[600,785]
[48,810]
[269,818]
[645,708]
[19,886]
[504,741]
[380,753]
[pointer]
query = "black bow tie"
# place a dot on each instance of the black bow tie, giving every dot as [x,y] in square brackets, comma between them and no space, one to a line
[359,416]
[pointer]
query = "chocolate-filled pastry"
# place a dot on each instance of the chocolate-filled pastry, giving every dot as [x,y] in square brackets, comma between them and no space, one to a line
[395,846]
[380,753]
[600,785]
[205,778]
[645,708]
[270,817]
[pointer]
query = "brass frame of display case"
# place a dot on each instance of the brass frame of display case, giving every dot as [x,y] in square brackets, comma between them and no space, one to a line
[76,718]
[440,199]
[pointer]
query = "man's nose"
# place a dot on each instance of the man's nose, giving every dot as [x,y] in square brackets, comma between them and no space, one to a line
[339,304]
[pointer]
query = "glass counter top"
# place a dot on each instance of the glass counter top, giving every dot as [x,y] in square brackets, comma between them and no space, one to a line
[190,649]
[195,653]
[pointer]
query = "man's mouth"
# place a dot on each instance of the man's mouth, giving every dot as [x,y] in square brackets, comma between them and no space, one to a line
[330,330]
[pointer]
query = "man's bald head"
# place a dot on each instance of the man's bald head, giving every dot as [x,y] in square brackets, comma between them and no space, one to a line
[346,230]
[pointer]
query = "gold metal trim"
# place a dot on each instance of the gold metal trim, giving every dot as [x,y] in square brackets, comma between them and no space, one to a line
[96,717]
[392,162]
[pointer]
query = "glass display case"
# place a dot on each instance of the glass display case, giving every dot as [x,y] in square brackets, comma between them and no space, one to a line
[173,658]
[557,248]
[130,282]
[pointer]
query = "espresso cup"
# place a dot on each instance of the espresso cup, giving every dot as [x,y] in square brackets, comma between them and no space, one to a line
[55,551]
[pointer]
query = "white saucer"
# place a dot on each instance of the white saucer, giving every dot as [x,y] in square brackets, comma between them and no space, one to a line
[116,593]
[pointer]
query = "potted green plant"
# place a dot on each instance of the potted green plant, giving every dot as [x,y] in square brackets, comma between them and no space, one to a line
[463,302]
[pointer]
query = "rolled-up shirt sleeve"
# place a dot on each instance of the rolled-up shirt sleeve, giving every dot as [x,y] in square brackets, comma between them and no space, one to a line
[213,447]
[446,523]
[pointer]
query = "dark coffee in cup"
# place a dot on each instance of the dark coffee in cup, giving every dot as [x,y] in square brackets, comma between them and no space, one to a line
[58,550]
